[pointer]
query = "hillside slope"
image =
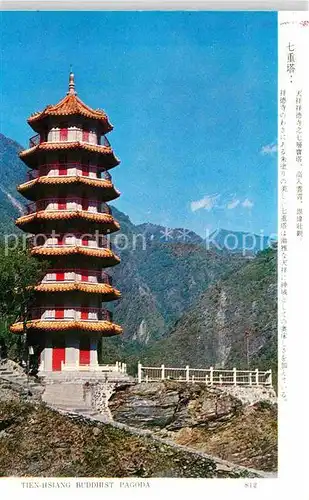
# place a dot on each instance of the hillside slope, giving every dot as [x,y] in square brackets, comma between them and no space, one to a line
[12,172]
[38,442]
[213,331]
[161,281]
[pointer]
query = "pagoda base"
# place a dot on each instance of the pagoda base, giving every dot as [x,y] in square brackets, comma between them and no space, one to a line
[83,392]
[106,373]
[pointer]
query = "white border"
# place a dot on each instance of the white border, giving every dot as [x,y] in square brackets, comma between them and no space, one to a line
[177,5]
[293,349]
[293,393]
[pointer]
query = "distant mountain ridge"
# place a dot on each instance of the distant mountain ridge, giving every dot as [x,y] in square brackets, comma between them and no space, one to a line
[236,241]
[220,239]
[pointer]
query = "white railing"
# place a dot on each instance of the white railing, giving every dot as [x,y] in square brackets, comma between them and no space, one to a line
[117,367]
[209,376]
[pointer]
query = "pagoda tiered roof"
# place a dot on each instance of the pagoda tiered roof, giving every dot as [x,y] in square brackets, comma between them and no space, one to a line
[107,221]
[106,186]
[100,253]
[30,154]
[102,327]
[70,105]
[108,291]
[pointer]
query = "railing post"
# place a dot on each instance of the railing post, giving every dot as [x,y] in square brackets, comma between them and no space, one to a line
[139,372]
[250,378]
[187,373]
[270,379]
[220,379]
[192,379]
[211,375]
[257,376]
[124,367]
[234,376]
[162,372]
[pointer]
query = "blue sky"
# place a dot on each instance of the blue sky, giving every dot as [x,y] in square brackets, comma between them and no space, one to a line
[192,97]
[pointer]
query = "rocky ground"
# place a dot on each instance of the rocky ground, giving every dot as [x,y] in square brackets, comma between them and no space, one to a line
[239,429]
[165,429]
[36,441]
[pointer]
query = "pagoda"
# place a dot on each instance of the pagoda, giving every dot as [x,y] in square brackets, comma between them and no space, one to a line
[68,185]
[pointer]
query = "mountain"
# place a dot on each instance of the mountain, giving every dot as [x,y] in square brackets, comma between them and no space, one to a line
[159,281]
[12,172]
[238,241]
[161,234]
[220,239]
[213,330]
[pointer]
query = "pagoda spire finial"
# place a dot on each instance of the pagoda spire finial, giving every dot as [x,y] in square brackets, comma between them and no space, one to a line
[71,84]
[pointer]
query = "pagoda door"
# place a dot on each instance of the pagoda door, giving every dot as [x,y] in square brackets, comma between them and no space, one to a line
[59,276]
[84,351]
[58,354]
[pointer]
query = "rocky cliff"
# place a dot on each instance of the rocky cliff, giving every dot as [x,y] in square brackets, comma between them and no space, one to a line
[207,419]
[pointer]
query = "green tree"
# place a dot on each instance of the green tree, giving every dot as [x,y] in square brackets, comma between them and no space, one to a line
[19,272]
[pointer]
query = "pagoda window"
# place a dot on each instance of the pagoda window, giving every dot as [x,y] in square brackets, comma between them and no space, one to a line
[85,135]
[54,134]
[92,277]
[84,275]
[64,134]
[92,171]
[93,138]
[62,204]
[63,169]
[73,134]
[85,240]
[52,168]
[69,313]
[85,170]
[85,204]
[84,312]
[70,276]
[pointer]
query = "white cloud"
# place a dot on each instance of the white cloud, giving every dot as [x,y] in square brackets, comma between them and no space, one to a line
[208,202]
[233,204]
[247,203]
[269,149]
